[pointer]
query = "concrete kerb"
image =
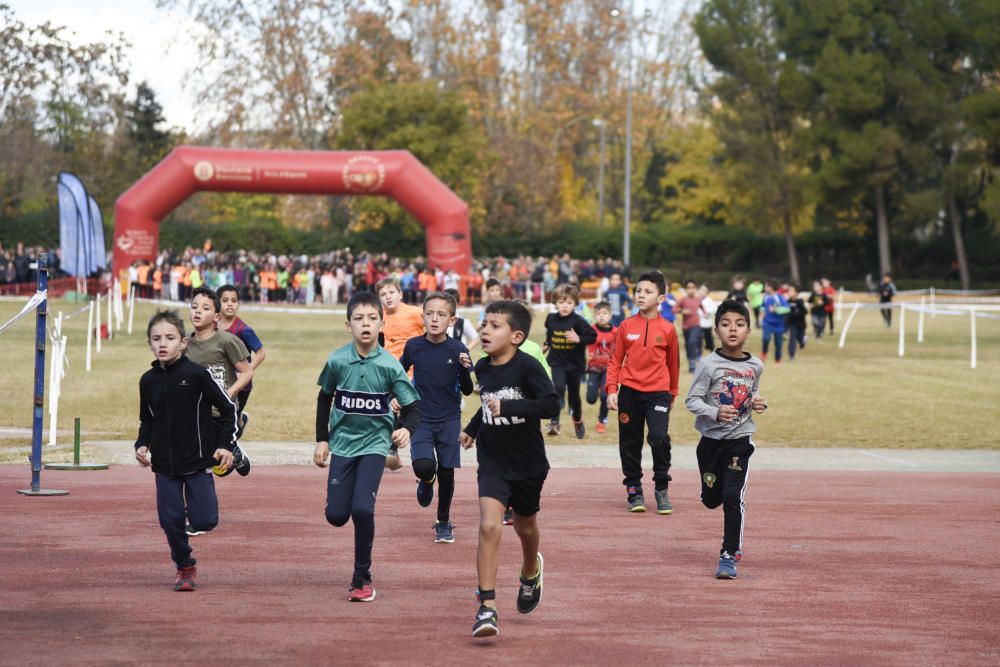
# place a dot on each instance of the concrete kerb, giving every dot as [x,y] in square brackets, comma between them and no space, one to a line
[683,455]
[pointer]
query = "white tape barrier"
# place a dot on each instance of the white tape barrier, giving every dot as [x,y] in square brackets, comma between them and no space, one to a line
[32,303]
[97,322]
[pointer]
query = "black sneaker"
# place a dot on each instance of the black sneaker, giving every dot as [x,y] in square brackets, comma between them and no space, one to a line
[486,622]
[508,517]
[425,491]
[392,461]
[191,531]
[241,462]
[444,532]
[530,593]
[663,505]
[579,429]
[244,420]
[636,502]
[553,428]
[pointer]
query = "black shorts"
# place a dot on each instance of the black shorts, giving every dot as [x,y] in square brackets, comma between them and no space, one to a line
[523,495]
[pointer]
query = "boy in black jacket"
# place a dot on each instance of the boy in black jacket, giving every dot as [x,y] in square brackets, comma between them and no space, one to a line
[567,336]
[795,321]
[181,441]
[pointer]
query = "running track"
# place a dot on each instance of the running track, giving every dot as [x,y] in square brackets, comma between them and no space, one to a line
[840,568]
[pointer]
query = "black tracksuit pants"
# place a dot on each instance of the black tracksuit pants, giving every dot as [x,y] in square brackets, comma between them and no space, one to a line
[182,499]
[351,489]
[724,467]
[638,410]
[568,381]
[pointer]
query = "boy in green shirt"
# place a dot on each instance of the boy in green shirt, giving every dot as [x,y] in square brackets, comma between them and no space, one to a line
[354,422]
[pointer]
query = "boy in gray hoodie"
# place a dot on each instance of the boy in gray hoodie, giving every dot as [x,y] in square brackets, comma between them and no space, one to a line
[723,393]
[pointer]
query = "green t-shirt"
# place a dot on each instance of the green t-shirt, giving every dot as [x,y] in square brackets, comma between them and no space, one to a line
[755,294]
[360,419]
[532,349]
[219,354]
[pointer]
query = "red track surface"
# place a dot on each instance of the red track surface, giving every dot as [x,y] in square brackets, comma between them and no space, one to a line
[840,568]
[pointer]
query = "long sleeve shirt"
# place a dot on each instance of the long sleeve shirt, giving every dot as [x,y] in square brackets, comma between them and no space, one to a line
[645,357]
[721,380]
[563,353]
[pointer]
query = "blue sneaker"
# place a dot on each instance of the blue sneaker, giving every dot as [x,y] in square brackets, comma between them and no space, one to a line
[444,532]
[425,491]
[727,567]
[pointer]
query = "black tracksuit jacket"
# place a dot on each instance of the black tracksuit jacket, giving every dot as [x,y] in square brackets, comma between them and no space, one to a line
[175,417]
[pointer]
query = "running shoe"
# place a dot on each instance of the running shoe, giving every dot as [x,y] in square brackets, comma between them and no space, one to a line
[601,428]
[663,505]
[486,622]
[425,491]
[508,517]
[444,532]
[244,419]
[727,567]
[579,429]
[241,462]
[187,578]
[530,593]
[192,532]
[636,502]
[553,428]
[361,590]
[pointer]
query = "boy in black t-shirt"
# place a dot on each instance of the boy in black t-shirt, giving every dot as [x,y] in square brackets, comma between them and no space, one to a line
[516,395]
[567,336]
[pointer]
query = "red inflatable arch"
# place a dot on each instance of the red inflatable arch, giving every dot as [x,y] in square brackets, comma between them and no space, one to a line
[190,169]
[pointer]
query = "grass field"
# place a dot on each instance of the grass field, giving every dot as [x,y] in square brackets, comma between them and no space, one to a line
[861,396]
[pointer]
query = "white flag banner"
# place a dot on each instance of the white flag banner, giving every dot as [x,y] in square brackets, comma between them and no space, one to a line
[33,303]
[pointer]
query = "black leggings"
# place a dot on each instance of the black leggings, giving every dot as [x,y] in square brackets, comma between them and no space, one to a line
[569,381]
[425,469]
[351,489]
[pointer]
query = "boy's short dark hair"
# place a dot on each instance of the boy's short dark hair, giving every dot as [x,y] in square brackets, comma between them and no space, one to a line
[655,277]
[602,305]
[210,294]
[452,291]
[364,299]
[492,282]
[228,288]
[690,281]
[168,316]
[773,283]
[732,306]
[518,315]
[443,296]
[566,291]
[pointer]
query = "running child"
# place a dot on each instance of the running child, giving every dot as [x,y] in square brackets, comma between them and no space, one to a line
[642,385]
[354,423]
[617,295]
[723,392]
[597,363]
[494,292]
[177,399]
[567,336]
[401,323]
[462,329]
[775,308]
[817,309]
[689,307]
[441,376]
[223,354]
[516,395]
[229,297]
[795,321]
[886,291]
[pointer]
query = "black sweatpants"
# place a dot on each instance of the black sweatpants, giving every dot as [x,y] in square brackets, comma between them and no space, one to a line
[351,489]
[636,410]
[569,381]
[724,467]
[182,499]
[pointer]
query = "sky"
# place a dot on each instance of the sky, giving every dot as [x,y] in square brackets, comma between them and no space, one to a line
[162,49]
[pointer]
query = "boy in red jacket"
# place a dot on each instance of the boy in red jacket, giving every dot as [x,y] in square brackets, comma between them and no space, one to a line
[597,365]
[644,363]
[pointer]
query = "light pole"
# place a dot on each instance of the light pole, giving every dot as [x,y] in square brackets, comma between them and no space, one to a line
[616,12]
[599,122]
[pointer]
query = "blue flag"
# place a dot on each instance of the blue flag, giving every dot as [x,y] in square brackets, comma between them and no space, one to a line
[99,258]
[76,228]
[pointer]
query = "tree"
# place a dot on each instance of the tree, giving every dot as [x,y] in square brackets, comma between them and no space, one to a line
[754,119]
